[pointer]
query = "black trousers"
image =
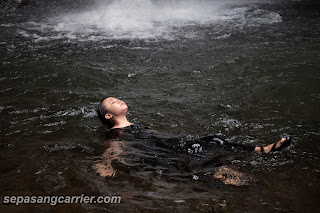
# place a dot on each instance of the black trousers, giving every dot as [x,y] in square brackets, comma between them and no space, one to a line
[217,141]
[198,146]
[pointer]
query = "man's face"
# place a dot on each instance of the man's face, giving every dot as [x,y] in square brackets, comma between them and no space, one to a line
[115,106]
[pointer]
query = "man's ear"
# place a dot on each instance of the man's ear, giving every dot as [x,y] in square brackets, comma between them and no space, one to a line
[108,116]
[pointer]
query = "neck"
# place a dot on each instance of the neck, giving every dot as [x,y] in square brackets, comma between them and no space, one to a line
[121,122]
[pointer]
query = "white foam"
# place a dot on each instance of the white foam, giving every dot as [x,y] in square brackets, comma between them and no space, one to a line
[131,75]
[229,123]
[149,19]
[179,201]
[259,16]
[108,46]
[55,123]
[88,112]
[7,25]
[67,113]
[58,147]
[137,19]
[19,111]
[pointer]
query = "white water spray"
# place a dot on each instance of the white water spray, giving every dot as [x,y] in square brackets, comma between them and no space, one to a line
[139,18]
[144,19]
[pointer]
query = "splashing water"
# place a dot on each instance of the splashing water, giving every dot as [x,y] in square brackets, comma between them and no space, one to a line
[123,19]
[140,19]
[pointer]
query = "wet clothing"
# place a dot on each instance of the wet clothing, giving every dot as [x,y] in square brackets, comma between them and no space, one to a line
[227,145]
[192,145]
[175,158]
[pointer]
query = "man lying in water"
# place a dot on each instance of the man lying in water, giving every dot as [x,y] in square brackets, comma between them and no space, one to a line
[112,112]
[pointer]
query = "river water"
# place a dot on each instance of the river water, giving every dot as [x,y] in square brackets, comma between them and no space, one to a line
[245,70]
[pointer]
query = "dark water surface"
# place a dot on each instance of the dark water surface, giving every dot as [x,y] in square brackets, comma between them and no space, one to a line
[245,70]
